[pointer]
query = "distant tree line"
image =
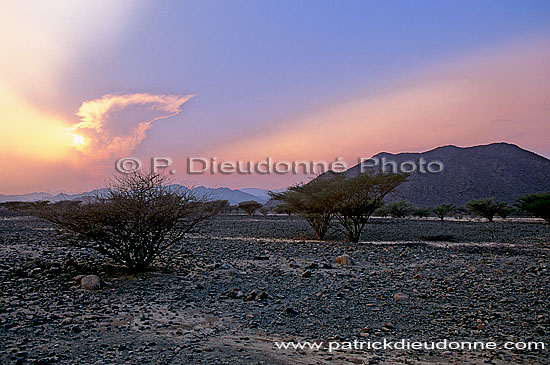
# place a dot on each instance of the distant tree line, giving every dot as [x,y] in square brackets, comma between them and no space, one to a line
[537,205]
[140,216]
[485,208]
[346,204]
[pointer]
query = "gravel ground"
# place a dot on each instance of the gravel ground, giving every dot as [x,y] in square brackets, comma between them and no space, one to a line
[226,296]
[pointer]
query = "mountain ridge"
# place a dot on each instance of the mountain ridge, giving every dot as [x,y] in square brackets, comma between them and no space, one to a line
[500,170]
[234,196]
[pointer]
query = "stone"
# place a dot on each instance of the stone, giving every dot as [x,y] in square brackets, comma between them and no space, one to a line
[306,274]
[66,321]
[234,293]
[399,297]
[29,265]
[91,282]
[34,272]
[291,311]
[262,295]
[70,262]
[344,260]
[251,295]
[226,266]
[257,295]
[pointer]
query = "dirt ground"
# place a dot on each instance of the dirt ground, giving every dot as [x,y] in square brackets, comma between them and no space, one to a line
[230,295]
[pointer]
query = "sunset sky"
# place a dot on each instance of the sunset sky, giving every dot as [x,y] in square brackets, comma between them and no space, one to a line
[84,83]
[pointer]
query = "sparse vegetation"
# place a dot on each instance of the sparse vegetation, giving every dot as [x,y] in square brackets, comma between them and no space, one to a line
[310,201]
[505,210]
[135,220]
[488,208]
[536,204]
[250,206]
[224,207]
[444,210]
[381,211]
[283,209]
[357,197]
[422,212]
[25,208]
[350,201]
[400,209]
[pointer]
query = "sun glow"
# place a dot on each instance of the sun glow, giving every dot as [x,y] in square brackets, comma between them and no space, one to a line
[29,132]
[78,140]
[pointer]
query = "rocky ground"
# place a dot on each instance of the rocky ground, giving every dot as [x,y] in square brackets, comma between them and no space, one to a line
[228,295]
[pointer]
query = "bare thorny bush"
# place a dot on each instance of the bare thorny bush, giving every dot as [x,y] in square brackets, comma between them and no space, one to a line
[136,219]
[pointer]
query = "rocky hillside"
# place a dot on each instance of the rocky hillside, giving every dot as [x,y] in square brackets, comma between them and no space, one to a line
[499,170]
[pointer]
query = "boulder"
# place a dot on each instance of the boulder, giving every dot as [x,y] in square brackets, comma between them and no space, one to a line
[344,260]
[91,282]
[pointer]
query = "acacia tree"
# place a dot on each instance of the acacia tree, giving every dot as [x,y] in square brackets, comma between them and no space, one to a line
[443,210]
[381,211]
[250,206]
[136,219]
[356,198]
[283,209]
[400,209]
[350,201]
[422,212]
[310,202]
[536,204]
[505,210]
[487,208]
[264,210]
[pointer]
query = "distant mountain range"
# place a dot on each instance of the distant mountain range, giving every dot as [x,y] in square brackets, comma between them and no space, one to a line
[499,170]
[233,196]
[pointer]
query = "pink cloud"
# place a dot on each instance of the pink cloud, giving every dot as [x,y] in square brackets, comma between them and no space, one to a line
[462,102]
[107,131]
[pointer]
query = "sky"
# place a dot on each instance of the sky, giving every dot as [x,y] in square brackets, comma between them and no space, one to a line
[84,84]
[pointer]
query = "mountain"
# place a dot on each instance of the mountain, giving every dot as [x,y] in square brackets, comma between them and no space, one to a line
[499,170]
[261,193]
[50,197]
[233,196]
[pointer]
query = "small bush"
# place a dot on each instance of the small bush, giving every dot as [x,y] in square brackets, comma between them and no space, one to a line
[536,204]
[381,211]
[444,210]
[250,207]
[487,208]
[422,212]
[283,209]
[400,209]
[135,220]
